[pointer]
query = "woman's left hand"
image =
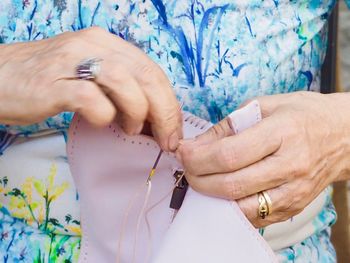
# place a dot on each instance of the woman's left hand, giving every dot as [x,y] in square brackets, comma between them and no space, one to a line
[300,147]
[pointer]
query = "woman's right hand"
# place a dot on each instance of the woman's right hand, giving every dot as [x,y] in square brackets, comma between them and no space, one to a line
[37,80]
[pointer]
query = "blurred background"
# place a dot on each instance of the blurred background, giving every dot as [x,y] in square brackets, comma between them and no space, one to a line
[344,44]
[344,54]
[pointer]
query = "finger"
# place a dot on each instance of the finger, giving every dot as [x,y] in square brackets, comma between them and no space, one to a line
[269,104]
[250,208]
[232,153]
[234,123]
[287,200]
[164,111]
[268,173]
[218,131]
[83,97]
[126,94]
[167,125]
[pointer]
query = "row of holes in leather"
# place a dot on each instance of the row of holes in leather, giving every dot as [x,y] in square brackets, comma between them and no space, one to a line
[73,147]
[190,118]
[85,238]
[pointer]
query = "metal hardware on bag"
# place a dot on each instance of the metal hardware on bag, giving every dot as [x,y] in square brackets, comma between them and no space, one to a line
[179,191]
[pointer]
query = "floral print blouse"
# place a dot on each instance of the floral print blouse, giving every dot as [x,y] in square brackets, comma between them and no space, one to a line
[216,53]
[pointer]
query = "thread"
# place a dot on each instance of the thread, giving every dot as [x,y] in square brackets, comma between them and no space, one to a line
[125,220]
[142,211]
[148,225]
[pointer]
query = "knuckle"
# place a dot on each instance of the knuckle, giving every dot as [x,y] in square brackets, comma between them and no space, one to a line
[169,117]
[228,156]
[150,74]
[218,130]
[304,167]
[95,30]
[73,43]
[117,74]
[187,154]
[284,204]
[293,173]
[278,177]
[85,94]
[298,169]
[232,189]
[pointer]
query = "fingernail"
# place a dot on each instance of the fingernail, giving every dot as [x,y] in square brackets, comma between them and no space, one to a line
[173,142]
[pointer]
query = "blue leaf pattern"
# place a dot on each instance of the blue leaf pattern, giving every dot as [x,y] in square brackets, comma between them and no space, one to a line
[217,54]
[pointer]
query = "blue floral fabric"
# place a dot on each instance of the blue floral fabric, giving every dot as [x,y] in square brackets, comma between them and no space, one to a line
[217,54]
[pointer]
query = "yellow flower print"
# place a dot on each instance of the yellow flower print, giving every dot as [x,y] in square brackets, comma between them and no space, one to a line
[39,187]
[58,191]
[16,203]
[27,188]
[51,177]
[24,204]
[41,214]
[18,207]
[55,191]
[50,191]
[74,229]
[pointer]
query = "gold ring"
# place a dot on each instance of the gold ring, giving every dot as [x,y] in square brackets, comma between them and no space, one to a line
[265,204]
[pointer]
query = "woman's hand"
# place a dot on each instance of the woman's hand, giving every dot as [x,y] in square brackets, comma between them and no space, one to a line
[299,148]
[37,80]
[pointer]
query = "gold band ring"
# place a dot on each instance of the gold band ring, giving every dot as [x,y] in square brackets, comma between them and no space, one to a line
[265,205]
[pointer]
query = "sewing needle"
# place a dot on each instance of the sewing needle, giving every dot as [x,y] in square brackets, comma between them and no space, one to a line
[153,170]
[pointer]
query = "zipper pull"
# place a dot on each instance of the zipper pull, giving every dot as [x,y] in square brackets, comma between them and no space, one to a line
[180,190]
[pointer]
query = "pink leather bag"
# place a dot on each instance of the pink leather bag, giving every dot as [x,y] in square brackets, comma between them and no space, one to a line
[110,170]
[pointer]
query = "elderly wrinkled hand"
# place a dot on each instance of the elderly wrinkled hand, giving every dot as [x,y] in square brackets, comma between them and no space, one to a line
[300,147]
[39,81]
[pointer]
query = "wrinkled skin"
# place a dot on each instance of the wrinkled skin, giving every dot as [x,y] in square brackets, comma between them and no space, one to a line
[300,147]
[38,81]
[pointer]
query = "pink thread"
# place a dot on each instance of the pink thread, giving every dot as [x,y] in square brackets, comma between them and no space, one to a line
[151,208]
[125,219]
[142,212]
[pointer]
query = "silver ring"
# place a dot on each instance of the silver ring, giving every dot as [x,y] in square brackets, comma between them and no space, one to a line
[88,69]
